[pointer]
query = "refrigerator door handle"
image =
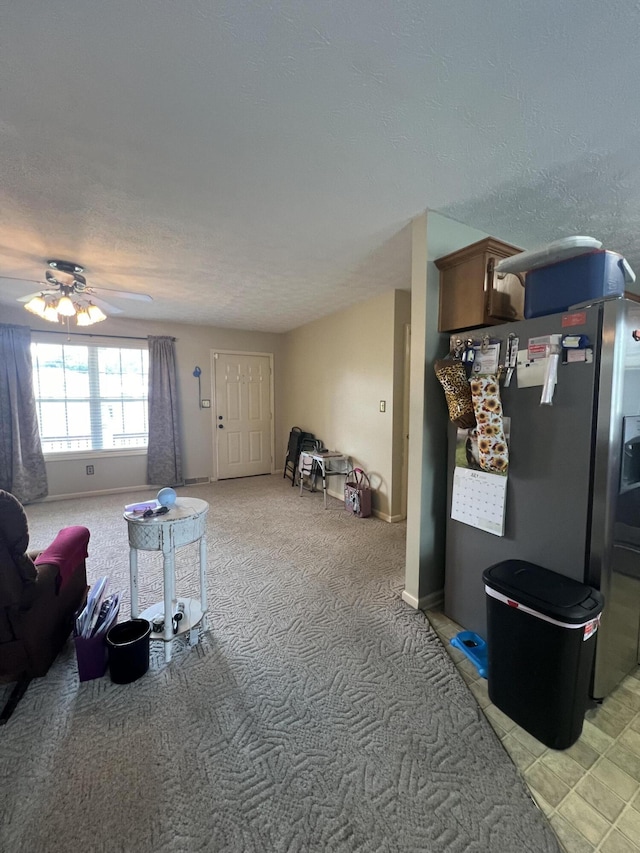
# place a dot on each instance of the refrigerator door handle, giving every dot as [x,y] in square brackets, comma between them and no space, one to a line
[625,546]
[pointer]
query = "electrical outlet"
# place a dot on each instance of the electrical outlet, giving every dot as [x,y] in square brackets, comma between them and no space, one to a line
[206,404]
[90,469]
[383,405]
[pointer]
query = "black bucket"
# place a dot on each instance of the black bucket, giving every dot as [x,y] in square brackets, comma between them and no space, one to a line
[128,645]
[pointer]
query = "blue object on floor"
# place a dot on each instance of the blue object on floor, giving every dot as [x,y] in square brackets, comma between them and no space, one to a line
[475,648]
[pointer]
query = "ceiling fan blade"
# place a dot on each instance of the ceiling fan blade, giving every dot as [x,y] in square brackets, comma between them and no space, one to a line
[44,289]
[107,307]
[37,281]
[30,296]
[124,294]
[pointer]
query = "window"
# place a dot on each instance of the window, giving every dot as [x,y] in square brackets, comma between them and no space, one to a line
[90,397]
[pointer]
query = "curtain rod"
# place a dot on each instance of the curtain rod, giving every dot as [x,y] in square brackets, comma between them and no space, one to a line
[89,335]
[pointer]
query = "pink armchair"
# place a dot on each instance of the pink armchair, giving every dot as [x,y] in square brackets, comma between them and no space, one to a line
[39,594]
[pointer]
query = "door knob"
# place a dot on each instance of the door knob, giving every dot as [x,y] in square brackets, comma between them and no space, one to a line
[220,426]
[219,417]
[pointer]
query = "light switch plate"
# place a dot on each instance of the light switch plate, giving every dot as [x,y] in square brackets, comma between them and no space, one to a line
[383,405]
[206,404]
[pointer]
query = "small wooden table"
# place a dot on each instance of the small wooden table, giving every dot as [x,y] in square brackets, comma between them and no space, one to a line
[184,523]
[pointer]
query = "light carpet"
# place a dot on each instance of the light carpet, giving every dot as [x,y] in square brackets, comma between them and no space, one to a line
[318,713]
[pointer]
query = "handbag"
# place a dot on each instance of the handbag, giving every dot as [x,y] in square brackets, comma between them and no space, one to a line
[357,493]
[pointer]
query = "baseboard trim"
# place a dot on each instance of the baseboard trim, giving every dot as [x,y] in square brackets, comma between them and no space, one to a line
[411,600]
[425,602]
[120,490]
[392,519]
[383,516]
[433,601]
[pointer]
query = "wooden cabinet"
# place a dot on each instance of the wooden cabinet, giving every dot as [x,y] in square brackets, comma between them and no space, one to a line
[471,292]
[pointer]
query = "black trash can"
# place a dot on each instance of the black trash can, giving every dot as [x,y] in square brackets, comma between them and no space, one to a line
[128,645]
[541,636]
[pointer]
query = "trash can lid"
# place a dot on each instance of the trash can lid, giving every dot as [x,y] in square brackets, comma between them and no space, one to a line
[548,592]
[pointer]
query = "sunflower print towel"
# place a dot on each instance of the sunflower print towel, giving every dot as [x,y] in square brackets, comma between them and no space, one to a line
[492,446]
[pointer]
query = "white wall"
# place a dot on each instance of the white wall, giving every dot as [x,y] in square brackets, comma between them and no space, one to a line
[193,347]
[336,372]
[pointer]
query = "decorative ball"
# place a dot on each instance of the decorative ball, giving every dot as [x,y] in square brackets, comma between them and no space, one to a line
[167,497]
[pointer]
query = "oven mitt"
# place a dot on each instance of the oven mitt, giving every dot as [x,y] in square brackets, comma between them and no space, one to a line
[492,445]
[453,378]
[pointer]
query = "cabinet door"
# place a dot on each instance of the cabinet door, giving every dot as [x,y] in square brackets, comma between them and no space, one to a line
[505,295]
[462,295]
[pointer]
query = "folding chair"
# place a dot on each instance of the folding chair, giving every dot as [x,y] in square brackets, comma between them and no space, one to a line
[296,438]
[306,466]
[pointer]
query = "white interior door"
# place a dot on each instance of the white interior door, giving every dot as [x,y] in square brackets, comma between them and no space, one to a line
[243,422]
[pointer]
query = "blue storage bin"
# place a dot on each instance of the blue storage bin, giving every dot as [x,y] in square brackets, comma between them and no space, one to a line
[552,289]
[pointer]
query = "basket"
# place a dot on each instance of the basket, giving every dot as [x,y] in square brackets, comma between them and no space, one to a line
[357,493]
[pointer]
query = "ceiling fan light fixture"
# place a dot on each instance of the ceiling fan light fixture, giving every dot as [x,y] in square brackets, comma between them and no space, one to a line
[66,295]
[66,307]
[54,310]
[50,313]
[37,305]
[83,318]
[95,314]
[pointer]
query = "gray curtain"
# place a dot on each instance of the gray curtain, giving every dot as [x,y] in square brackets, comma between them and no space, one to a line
[22,468]
[164,457]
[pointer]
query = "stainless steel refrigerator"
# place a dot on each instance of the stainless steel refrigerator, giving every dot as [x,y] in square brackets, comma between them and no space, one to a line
[573,488]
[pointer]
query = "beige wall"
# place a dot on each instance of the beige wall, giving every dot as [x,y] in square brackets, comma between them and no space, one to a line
[193,347]
[336,371]
[329,378]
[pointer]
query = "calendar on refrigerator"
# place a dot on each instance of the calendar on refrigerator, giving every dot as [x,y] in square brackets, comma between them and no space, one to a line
[479,499]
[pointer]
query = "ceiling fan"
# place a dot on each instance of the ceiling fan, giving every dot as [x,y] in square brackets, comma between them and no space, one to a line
[66,294]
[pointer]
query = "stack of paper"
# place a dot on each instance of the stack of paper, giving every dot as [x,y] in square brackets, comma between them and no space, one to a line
[99,613]
[142,506]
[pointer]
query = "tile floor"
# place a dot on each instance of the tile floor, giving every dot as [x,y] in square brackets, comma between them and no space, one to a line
[591,791]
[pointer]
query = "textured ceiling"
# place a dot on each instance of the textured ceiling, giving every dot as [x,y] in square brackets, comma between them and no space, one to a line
[267,156]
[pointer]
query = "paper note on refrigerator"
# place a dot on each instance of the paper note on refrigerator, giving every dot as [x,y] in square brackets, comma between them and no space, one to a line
[530,372]
[479,499]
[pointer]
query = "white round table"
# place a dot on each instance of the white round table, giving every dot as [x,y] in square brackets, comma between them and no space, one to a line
[184,523]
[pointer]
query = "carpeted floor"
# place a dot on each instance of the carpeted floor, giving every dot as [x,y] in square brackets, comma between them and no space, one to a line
[318,713]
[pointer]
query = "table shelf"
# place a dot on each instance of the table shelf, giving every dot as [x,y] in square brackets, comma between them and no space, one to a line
[192,616]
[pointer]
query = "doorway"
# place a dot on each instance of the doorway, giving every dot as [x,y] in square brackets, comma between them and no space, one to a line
[243,414]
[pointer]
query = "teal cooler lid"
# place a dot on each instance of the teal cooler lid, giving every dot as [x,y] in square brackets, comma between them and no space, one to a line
[547,592]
